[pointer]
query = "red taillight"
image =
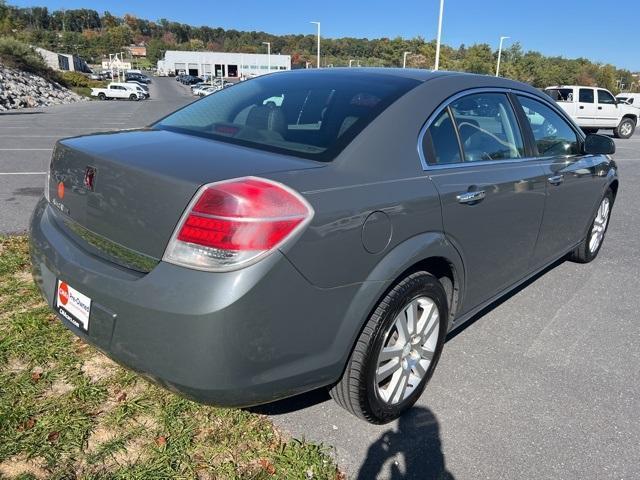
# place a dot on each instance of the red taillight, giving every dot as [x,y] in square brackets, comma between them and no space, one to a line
[234,222]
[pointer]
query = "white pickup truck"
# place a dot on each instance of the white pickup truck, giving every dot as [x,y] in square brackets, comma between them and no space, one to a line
[594,108]
[118,90]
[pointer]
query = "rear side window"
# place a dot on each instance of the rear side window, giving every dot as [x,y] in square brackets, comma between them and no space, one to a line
[586,95]
[561,94]
[312,116]
[487,127]
[605,97]
[443,139]
[552,134]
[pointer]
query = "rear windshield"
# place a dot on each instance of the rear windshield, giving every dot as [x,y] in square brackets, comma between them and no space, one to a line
[308,115]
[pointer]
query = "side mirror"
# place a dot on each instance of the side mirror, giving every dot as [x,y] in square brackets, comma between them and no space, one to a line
[596,144]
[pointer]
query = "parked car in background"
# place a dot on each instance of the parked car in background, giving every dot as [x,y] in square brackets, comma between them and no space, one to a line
[143,86]
[595,108]
[96,76]
[315,228]
[117,90]
[202,89]
[138,77]
[145,93]
[191,80]
[628,98]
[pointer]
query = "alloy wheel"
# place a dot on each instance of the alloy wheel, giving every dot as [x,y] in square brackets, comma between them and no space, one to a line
[625,129]
[407,350]
[599,225]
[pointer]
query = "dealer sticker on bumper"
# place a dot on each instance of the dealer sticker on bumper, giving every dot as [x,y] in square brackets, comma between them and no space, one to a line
[73,305]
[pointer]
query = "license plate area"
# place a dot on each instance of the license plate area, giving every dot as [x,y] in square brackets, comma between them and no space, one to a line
[73,305]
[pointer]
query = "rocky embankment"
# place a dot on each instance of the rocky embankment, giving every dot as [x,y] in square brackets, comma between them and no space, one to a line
[23,90]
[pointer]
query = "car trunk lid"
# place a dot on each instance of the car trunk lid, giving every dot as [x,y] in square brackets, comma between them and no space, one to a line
[142,180]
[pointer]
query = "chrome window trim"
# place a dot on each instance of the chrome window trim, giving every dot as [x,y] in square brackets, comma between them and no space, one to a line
[462,164]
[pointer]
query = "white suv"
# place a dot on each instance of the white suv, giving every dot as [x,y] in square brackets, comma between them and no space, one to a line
[594,108]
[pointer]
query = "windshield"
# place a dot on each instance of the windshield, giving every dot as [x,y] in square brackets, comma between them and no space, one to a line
[309,115]
[626,100]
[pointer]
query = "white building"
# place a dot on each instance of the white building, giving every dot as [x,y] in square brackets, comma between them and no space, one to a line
[220,64]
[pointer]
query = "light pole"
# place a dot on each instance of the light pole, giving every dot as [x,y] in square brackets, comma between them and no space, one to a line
[404,59]
[318,24]
[502,39]
[437,65]
[268,44]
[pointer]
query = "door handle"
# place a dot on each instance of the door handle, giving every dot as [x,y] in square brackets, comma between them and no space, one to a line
[599,108]
[471,197]
[581,107]
[556,180]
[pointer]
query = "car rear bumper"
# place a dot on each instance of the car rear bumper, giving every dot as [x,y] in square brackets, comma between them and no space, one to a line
[230,339]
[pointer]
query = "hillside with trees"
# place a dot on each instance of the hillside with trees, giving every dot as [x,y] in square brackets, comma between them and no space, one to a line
[93,36]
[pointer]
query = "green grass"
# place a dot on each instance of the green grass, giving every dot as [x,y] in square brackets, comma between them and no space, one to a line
[66,411]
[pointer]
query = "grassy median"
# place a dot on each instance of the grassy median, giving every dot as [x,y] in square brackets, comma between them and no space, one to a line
[67,411]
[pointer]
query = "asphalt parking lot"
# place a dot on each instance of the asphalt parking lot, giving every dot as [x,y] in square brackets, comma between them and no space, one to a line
[545,384]
[27,137]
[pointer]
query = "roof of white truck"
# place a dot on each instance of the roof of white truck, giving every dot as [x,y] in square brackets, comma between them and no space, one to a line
[573,86]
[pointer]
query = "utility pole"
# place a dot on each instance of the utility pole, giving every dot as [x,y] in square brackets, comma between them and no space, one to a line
[318,61]
[502,39]
[268,44]
[437,65]
[404,59]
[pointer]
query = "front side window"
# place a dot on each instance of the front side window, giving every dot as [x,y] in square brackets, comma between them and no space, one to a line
[605,97]
[313,116]
[586,95]
[552,134]
[487,127]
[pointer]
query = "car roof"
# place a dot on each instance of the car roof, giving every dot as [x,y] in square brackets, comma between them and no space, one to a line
[359,72]
[420,75]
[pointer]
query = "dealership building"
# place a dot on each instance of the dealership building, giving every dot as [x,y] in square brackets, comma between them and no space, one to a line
[220,64]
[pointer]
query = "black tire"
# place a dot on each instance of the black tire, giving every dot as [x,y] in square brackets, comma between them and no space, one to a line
[588,131]
[133,97]
[626,128]
[102,96]
[582,253]
[357,390]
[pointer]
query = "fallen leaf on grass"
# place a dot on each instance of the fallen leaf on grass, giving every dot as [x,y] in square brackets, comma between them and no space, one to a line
[267,466]
[53,437]
[161,441]
[36,374]
[28,425]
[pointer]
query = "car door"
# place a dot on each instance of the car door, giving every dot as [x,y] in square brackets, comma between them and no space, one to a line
[607,107]
[492,195]
[574,181]
[586,114]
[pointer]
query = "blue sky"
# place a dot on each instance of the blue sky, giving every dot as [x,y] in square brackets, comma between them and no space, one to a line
[597,30]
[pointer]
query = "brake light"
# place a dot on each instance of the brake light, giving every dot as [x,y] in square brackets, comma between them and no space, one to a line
[233,223]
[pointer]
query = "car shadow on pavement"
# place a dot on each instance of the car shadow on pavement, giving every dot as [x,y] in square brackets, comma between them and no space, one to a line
[413,450]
